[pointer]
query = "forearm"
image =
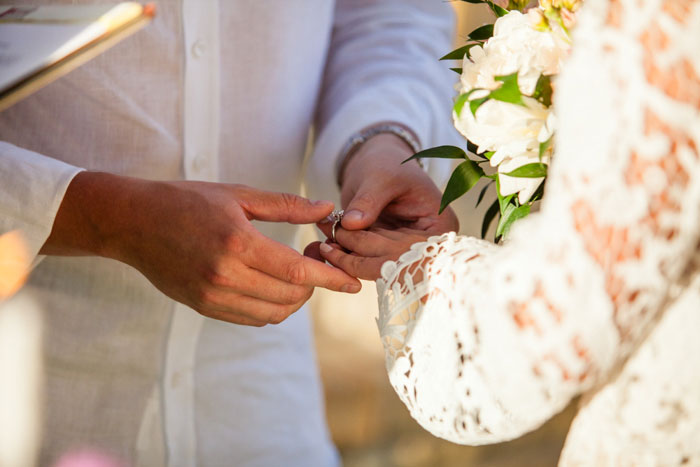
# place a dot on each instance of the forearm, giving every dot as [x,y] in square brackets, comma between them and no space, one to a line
[96,213]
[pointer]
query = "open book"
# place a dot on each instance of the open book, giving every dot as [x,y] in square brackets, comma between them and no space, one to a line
[39,44]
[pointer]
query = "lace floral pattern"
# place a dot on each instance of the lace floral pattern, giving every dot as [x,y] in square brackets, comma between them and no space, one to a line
[599,292]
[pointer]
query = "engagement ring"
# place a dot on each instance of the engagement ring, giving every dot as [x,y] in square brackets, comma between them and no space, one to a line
[336,216]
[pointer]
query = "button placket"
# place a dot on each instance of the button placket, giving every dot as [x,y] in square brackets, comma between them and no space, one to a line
[201,89]
[200,151]
[199,48]
[200,163]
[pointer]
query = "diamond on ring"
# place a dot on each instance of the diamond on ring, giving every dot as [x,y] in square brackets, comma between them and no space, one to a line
[336,216]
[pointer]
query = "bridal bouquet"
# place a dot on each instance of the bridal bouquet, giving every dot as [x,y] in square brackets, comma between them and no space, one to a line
[504,107]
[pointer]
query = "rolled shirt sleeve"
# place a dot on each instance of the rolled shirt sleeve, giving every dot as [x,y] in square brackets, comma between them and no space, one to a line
[383,66]
[32,188]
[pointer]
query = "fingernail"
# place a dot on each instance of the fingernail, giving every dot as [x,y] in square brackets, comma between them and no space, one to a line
[325,247]
[321,203]
[354,215]
[350,288]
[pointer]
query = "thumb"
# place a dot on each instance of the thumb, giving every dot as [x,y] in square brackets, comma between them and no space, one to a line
[282,207]
[364,208]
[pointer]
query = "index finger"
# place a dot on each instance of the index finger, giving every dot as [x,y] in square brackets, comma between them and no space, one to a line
[284,263]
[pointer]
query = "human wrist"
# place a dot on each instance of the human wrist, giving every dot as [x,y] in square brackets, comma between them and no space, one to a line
[382,154]
[125,215]
[399,133]
[94,216]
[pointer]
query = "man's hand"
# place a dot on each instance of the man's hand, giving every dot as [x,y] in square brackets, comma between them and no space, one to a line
[377,190]
[194,241]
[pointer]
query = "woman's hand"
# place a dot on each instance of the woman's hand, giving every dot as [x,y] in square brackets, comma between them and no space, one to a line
[377,190]
[361,253]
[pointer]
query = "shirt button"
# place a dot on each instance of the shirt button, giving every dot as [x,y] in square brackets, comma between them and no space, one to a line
[199,48]
[200,162]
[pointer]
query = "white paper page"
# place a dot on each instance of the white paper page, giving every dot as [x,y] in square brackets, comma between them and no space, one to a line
[27,47]
[32,38]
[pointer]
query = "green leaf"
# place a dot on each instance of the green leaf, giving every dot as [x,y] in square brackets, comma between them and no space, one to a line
[488,218]
[459,103]
[509,90]
[502,200]
[504,214]
[544,146]
[481,33]
[476,103]
[517,4]
[482,193]
[462,99]
[458,54]
[511,215]
[474,149]
[534,170]
[537,195]
[441,152]
[499,11]
[543,90]
[463,179]
[457,70]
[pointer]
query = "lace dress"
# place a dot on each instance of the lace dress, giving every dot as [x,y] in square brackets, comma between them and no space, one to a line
[598,293]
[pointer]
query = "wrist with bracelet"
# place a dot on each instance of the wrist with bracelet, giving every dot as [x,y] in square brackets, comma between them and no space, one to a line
[356,141]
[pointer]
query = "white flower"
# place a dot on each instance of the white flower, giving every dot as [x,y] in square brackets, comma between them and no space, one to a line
[514,132]
[524,187]
[505,128]
[515,46]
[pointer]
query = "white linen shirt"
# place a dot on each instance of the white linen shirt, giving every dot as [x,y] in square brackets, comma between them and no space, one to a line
[220,91]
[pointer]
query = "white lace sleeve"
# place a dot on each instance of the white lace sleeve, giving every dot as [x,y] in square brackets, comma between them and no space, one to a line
[484,343]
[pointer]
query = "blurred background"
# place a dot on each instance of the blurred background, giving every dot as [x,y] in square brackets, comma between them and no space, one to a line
[368,422]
